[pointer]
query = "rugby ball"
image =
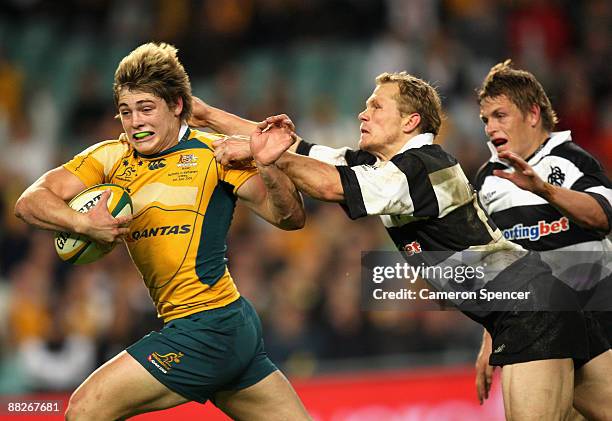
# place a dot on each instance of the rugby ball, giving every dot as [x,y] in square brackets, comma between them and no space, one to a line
[79,249]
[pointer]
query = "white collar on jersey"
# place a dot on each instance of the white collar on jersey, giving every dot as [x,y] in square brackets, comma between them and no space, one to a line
[182,131]
[417,141]
[556,138]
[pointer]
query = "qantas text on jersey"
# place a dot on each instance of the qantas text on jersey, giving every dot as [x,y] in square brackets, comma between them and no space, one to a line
[153,232]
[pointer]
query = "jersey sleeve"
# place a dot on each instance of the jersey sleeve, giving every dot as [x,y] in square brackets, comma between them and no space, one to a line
[589,178]
[94,165]
[375,191]
[597,185]
[332,156]
[236,177]
[419,184]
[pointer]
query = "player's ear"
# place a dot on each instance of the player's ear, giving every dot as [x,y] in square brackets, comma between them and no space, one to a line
[533,115]
[410,122]
[178,108]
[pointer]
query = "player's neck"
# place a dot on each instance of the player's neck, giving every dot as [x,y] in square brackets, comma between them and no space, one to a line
[393,148]
[536,144]
[388,153]
[173,137]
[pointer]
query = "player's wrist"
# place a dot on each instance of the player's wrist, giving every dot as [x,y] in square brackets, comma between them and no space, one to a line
[268,161]
[79,223]
[546,191]
[263,165]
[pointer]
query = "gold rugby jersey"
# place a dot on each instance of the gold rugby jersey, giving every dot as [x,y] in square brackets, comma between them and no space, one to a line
[183,206]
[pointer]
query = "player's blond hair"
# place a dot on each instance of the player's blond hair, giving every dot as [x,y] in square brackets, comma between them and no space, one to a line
[416,96]
[522,88]
[155,68]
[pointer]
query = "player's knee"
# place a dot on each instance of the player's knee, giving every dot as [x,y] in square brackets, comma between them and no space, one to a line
[72,409]
[80,408]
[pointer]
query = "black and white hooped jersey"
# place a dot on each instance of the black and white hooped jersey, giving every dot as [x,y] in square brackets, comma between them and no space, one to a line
[422,196]
[527,219]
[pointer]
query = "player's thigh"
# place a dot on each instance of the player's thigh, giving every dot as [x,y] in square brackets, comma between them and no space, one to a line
[538,390]
[271,399]
[593,388]
[120,388]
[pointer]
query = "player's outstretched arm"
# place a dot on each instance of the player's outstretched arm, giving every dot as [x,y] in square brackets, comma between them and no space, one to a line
[204,115]
[578,206]
[43,205]
[271,194]
[317,179]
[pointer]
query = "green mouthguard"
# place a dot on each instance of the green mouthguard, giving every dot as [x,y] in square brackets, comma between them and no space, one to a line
[142,134]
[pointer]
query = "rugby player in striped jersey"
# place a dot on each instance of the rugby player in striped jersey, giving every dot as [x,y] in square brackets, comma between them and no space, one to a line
[426,204]
[548,194]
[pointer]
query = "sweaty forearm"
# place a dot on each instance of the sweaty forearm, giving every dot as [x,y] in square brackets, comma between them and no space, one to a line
[40,207]
[577,206]
[283,200]
[315,178]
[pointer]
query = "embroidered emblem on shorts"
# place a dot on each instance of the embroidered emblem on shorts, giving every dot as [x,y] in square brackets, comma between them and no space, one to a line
[499,349]
[556,176]
[164,362]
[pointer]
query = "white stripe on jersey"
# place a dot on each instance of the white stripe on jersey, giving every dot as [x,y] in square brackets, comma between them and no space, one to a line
[544,168]
[515,196]
[452,189]
[494,200]
[384,189]
[328,155]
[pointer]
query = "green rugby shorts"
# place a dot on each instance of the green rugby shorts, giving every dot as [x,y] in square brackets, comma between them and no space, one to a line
[207,352]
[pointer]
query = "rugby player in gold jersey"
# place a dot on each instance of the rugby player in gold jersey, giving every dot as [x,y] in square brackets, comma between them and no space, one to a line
[211,344]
